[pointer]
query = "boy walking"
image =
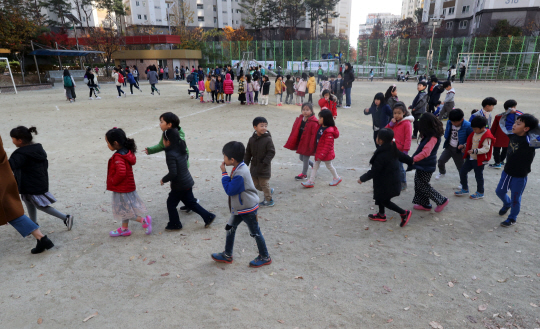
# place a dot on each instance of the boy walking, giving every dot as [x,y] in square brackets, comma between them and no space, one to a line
[419,105]
[261,146]
[243,204]
[290,90]
[487,107]
[477,154]
[457,131]
[448,103]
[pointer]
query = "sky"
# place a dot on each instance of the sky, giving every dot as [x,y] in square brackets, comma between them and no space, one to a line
[360,9]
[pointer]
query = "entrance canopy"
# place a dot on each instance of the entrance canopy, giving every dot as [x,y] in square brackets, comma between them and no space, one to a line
[62,52]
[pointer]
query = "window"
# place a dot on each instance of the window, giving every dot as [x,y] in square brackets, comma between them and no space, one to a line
[157,7]
[136,3]
[200,6]
[449,25]
[236,22]
[465,9]
[215,9]
[463,25]
[237,11]
[139,16]
[215,19]
[144,4]
[200,18]
[158,20]
[145,18]
[451,10]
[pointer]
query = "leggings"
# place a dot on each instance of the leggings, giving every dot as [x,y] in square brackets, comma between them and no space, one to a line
[92,91]
[264,99]
[300,99]
[306,163]
[228,97]
[316,166]
[131,85]
[249,97]
[390,205]
[279,98]
[310,99]
[499,153]
[153,87]
[120,91]
[32,211]
[256,97]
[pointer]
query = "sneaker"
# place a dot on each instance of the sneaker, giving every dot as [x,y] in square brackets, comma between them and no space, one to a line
[68,221]
[509,222]
[300,177]
[477,196]
[260,261]
[442,206]
[461,192]
[439,176]
[140,90]
[267,203]
[186,209]
[335,182]
[403,186]
[147,225]
[210,221]
[169,227]
[125,95]
[496,166]
[405,218]
[377,217]
[459,187]
[120,232]
[97,97]
[413,137]
[42,245]
[91,98]
[152,93]
[420,207]
[346,107]
[131,93]
[503,211]
[308,184]
[158,92]
[222,257]
[118,96]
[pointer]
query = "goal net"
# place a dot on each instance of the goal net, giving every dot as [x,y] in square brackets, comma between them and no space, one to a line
[2,59]
[500,66]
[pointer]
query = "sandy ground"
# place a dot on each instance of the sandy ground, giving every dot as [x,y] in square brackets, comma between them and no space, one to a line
[332,267]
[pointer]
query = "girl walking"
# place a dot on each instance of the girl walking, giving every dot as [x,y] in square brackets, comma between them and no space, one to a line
[401,125]
[126,202]
[380,114]
[69,86]
[249,88]
[118,80]
[301,89]
[302,138]
[278,91]
[425,161]
[327,132]
[91,83]
[30,167]
[228,87]
[386,177]
[132,81]
[241,89]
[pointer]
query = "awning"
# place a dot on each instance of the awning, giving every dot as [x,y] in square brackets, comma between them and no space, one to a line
[62,52]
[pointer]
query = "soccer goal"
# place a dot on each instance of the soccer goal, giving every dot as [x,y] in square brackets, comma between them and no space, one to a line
[500,66]
[11,74]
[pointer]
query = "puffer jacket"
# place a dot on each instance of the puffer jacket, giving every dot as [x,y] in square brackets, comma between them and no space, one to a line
[213,85]
[311,85]
[380,115]
[306,144]
[260,151]
[402,133]
[330,104]
[348,78]
[120,177]
[228,86]
[279,87]
[219,86]
[30,167]
[131,79]
[301,86]
[178,175]
[325,147]
[201,85]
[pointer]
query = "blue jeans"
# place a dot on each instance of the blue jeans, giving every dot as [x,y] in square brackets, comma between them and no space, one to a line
[472,164]
[24,225]
[516,185]
[348,96]
[254,230]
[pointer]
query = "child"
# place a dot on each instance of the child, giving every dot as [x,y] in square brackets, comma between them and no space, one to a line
[29,164]
[325,85]
[91,83]
[418,106]
[327,132]
[241,89]
[69,86]
[328,101]
[213,89]
[265,90]
[243,204]
[301,89]
[438,109]
[338,91]
[371,74]
[118,80]
[290,89]
[311,86]
[487,107]
[425,160]
[153,80]
[434,93]
[278,90]
[457,131]
[381,114]
[132,81]
[202,88]
[228,88]
[193,80]
[181,181]
[302,138]
[448,103]
[126,202]
[500,132]
[256,88]
[518,165]
[386,177]
[477,154]
[219,89]
[407,76]
[249,88]
[401,125]
[259,152]
[391,96]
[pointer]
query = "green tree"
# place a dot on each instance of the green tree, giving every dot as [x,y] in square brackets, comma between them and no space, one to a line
[329,13]
[60,8]
[503,28]
[316,13]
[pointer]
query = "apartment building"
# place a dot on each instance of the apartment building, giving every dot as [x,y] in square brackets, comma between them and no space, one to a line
[409,7]
[386,19]
[342,23]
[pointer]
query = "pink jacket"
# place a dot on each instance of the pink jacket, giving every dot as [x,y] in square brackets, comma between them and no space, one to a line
[301,85]
[228,87]
[402,133]
[201,86]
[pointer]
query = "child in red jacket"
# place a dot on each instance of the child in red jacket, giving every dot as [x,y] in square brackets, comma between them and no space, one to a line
[329,101]
[401,124]
[302,137]
[324,148]
[477,154]
[126,202]
[501,144]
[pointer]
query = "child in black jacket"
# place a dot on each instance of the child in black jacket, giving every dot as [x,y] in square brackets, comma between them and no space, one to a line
[181,181]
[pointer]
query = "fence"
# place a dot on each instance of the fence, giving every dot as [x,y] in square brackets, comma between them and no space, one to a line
[491,58]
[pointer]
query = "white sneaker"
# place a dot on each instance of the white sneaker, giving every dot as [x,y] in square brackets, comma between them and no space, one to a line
[91,99]
[459,186]
[439,176]
[118,96]
[97,97]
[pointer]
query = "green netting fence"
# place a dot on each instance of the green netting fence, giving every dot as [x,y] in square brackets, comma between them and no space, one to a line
[487,58]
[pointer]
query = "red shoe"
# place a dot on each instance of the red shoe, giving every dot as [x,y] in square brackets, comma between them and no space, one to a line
[420,207]
[405,218]
[300,177]
[377,217]
[308,184]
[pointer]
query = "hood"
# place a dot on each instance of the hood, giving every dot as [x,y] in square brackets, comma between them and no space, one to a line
[409,118]
[129,157]
[267,134]
[312,79]
[228,76]
[332,130]
[34,151]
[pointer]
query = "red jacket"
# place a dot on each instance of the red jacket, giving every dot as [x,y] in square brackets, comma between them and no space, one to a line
[306,144]
[325,148]
[228,86]
[120,173]
[481,158]
[502,138]
[329,104]
[402,134]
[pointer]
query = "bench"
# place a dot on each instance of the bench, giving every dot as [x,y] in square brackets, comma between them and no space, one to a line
[53,76]
[368,78]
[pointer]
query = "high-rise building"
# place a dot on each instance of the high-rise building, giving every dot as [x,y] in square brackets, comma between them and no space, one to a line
[386,20]
[342,23]
[409,7]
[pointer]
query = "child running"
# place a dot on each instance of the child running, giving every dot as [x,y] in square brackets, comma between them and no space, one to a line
[386,176]
[91,83]
[30,167]
[118,80]
[228,88]
[425,160]
[401,125]
[153,79]
[181,181]
[132,82]
[265,90]
[327,132]
[243,205]
[278,90]
[126,203]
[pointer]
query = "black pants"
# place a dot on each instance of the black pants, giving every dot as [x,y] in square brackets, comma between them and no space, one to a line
[228,97]
[256,97]
[131,85]
[375,133]
[214,95]
[92,90]
[195,90]
[472,164]
[390,205]
[462,76]
[186,196]
[310,98]
[499,154]
[182,76]
[120,91]
[415,123]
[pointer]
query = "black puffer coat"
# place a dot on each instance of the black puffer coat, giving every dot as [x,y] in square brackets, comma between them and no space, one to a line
[178,175]
[30,166]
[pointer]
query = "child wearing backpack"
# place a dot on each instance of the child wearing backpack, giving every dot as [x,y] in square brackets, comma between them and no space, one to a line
[118,80]
[69,86]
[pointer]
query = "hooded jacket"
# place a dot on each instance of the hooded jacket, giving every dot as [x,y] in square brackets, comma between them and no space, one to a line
[152,77]
[330,104]
[178,174]
[380,115]
[305,145]
[302,85]
[348,78]
[402,133]
[10,203]
[131,79]
[228,86]
[120,172]
[311,85]
[260,151]
[419,103]
[243,197]
[325,147]
[29,164]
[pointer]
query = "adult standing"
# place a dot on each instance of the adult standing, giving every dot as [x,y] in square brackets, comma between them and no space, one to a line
[238,71]
[348,79]
[182,73]
[305,64]
[462,70]
[166,72]
[416,67]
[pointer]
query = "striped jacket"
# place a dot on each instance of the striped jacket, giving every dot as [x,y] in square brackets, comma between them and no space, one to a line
[243,197]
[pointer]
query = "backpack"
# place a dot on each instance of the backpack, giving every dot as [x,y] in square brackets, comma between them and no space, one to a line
[161,71]
[120,78]
[189,78]
[67,81]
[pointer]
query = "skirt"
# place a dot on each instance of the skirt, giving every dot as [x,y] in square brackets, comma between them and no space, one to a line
[242,97]
[127,206]
[301,93]
[40,200]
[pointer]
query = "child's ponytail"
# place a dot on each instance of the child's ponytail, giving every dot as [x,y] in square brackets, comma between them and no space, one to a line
[130,145]
[118,136]
[171,118]
[23,133]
